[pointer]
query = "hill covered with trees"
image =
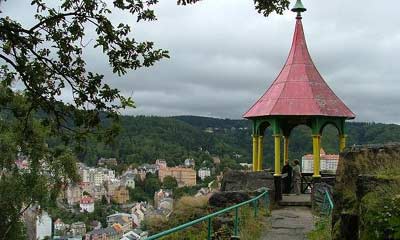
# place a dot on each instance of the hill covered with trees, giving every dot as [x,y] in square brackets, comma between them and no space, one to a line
[145,139]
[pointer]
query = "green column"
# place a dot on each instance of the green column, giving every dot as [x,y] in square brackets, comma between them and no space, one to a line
[260,153]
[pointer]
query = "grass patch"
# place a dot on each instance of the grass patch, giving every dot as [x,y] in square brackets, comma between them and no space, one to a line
[191,208]
[252,227]
[322,230]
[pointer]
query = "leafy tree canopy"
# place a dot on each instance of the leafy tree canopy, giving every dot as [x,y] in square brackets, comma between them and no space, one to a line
[46,58]
[151,185]
[266,7]
[169,182]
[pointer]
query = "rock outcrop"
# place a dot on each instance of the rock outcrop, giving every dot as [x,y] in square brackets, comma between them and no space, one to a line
[248,181]
[225,199]
[366,184]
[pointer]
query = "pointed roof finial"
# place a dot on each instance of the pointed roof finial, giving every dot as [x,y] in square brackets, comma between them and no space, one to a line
[299,8]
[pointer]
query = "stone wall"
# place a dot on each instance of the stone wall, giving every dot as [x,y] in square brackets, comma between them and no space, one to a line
[362,170]
[248,181]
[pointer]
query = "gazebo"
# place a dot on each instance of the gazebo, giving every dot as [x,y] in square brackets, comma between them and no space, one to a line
[298,96]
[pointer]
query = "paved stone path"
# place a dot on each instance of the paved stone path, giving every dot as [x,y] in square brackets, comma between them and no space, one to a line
[289,223]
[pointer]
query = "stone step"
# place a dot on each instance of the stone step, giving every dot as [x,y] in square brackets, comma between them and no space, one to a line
[286,203]
[296,200]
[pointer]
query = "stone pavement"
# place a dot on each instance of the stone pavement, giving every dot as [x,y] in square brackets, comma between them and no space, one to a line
[289,223]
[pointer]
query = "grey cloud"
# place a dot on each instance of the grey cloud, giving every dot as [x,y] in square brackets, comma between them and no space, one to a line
[224,55]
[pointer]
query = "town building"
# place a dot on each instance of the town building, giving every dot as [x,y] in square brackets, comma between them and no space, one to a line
[329,162]
[22,164]
[43,226]
[161,163]
[78,229]
[184,176]
[203,192]
[67,237]
[85,175]
[149,168]
[73,194]
[138,213]
[246,166]
[163,199]
[123,219]
[111,186]
[128,180]
[203,173]
[98,192]
[107,162]
[142,173]
[60,226]
[189,162]
[109,233]
[95,224]
[108,174]
[38,223]
[135,234]
[121,195]
[86,204]
[216,160]
[98,178]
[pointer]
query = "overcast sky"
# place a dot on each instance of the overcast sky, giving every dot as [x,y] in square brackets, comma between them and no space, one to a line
[224,55]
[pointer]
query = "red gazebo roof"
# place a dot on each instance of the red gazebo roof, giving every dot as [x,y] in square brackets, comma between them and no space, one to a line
[299,90]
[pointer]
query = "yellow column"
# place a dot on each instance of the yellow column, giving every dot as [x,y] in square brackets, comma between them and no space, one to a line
[286,149]
[342,142]
[260,153]
[277,138]
[316,152]
[255,152]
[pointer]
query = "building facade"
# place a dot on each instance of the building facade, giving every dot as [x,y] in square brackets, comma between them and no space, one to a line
[121,195]
[184,176]
[43,226]
[329,163]
[86,204]
[204,172]
[73,194]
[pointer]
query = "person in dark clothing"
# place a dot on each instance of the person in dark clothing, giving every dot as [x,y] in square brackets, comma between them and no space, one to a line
[287,179]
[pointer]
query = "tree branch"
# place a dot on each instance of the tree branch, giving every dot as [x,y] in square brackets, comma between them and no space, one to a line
[10,224]
[59,16]
[8,61]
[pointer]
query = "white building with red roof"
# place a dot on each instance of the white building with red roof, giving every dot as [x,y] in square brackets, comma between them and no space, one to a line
[86,204]
[329,162]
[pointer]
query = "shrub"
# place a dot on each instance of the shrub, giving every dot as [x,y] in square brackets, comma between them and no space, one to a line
[380,217]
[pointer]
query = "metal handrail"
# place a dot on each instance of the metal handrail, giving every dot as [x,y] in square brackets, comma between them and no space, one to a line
[209,217]
[327,206]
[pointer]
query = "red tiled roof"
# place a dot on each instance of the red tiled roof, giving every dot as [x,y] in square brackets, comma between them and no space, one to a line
[86,200]
[299,89]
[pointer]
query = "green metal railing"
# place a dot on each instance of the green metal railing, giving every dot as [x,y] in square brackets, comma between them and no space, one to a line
[327,205]
[209,217]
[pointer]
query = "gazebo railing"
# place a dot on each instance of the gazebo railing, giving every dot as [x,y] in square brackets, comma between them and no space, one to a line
[208,218]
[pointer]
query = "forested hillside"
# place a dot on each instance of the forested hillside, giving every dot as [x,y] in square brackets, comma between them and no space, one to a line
[144,139]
